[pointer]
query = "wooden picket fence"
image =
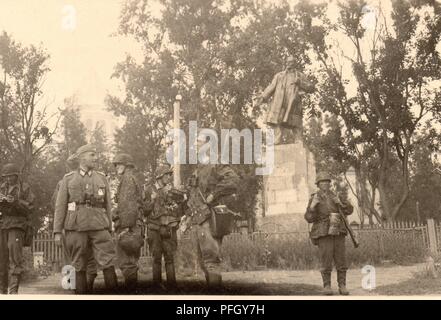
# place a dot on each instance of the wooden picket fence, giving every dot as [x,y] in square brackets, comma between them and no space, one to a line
[382,238]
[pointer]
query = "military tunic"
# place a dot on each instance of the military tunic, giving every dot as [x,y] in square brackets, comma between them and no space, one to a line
[221,181]
[163,216]
[126,216]
[83,209]
[13,225]
[331,247]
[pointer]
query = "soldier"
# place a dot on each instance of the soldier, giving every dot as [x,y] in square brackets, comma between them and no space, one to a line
[164,209]
[92,269]
[83,211]
[328,230]
[211,185]
[127,220]
[17,205]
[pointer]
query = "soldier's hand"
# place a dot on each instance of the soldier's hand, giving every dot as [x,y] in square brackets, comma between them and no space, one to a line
[154,195]
[210,198]
[57,239]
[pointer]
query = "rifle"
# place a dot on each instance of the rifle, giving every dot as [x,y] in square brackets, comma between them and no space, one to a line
[348,228]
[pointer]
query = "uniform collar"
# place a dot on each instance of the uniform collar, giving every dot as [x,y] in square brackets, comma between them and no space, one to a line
[84,172]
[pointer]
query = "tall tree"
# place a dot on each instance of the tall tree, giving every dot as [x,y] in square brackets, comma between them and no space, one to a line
[394,69]
[24,118]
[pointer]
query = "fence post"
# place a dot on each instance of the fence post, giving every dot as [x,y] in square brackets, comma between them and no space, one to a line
[433,245]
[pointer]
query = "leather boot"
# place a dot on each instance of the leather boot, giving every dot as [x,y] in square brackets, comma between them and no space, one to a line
[214,279]
[90,282]
[4,283]
[171,275]
[131,282]
[80,282]
[341,280]
[326,276]
[110,279]
[157,273]
[14,284]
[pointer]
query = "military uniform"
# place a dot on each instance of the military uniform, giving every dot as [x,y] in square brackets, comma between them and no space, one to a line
[331,246]
[83,210]
[163,216]
[13,224]
[92,268]
[221,182]
[128,223]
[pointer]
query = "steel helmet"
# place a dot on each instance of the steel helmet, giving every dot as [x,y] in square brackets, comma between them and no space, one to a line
[123,158]
[10,169]
[130,242]
[162,170]
[322,176]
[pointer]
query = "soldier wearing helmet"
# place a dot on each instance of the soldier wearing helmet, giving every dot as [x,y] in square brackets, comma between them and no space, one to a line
[127,220]
[164,209]
[83,212]
[328,230]
[16,207]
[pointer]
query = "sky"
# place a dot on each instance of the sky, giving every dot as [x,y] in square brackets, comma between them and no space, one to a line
[77,35]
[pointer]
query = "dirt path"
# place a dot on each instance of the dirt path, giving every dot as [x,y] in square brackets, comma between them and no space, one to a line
[252,282]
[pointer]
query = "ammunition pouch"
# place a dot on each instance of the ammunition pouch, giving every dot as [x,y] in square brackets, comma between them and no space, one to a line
[222,221]
[165,232]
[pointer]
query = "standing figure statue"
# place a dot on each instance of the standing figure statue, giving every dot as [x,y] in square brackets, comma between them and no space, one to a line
[285,112]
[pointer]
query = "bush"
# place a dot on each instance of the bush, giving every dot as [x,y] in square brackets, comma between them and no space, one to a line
[294,251]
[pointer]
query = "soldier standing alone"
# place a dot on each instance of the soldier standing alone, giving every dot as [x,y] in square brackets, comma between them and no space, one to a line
[83,211]
[328,231]
[164,209]
[16,208]
[127,219]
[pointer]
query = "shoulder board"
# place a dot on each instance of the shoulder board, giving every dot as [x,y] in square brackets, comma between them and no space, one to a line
[101,173]
[69,174]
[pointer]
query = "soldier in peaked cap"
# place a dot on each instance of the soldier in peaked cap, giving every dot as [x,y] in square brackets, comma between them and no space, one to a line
[128,220]
[328,230]
[16,207]
[82,210]
[92,270]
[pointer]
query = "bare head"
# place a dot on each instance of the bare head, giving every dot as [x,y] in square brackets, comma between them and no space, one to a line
[88,160]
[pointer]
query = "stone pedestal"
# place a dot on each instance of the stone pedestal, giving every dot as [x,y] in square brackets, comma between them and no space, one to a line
[287,189]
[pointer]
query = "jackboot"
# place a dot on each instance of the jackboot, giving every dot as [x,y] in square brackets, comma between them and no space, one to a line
[131,282]
[14,284]
[110,279]
[90,282]
[171,275]
[341,280]
[157,273]
[326,276]
[214,279]
[80,282]
[4,283]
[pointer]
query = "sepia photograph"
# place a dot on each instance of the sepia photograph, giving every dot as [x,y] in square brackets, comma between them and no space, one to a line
[220,148]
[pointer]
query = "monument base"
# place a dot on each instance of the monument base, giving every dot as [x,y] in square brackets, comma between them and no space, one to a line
[287,189]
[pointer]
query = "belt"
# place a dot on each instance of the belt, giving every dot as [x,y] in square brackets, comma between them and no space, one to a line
[89,205]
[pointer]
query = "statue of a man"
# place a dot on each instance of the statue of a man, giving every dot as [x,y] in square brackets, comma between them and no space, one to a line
[285,112]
